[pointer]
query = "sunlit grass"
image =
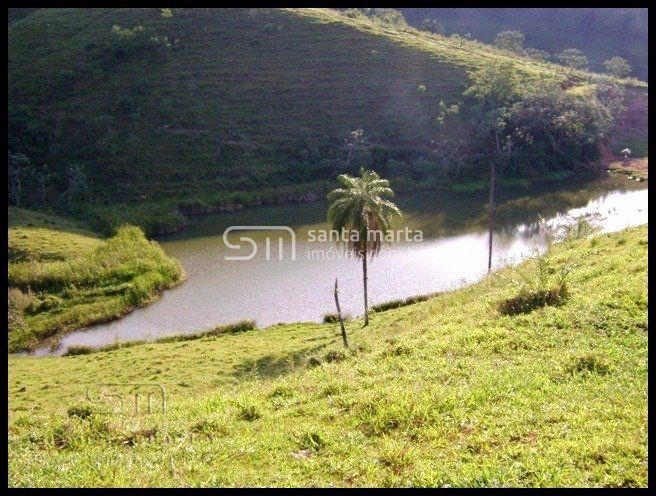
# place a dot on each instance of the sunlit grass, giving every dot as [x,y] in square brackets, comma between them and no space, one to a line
[62,280]
[443,392]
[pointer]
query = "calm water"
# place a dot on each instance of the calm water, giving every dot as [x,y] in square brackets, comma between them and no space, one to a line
[453,253]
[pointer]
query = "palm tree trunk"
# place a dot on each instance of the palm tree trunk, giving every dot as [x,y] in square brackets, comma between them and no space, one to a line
[364,279]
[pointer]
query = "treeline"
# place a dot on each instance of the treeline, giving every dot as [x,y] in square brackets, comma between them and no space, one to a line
[529,130]
[598,34]
[512,41]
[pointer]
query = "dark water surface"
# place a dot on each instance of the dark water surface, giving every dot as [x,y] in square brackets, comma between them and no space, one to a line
[452,253]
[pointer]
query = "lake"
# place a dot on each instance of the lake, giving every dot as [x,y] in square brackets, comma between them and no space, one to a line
[292,285]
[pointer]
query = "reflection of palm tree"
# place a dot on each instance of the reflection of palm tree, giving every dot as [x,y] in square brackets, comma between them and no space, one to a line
[359,211]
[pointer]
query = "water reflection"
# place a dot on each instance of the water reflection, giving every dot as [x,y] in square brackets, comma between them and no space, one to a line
[453,253]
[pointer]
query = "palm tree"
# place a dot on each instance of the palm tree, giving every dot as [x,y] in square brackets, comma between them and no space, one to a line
[359,211]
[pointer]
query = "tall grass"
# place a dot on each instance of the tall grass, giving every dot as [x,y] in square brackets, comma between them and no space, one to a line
[124,272]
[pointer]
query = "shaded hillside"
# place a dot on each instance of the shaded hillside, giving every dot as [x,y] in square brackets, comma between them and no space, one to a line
[16,14]
[149,105]
[599,33]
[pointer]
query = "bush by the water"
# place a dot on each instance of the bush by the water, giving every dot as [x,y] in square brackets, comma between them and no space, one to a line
[388,305]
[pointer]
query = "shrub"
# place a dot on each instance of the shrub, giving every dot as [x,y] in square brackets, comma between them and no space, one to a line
[80,411]
[312,440]
[19,300]
[47,303]
[248,412]
[208,428]
[542,280]
[281,391]
[388,305]
[588,363]
[335,356]
[527,301]
[78,350]
[332,318]
[397,456]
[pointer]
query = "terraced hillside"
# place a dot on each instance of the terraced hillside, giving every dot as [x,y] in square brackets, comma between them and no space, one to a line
[193,105]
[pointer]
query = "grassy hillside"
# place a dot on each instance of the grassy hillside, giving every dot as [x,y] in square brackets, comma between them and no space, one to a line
[446,392]
[63,277]
[236,107]
[599,33]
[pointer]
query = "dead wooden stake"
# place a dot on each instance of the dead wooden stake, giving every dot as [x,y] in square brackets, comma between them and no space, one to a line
[339,316]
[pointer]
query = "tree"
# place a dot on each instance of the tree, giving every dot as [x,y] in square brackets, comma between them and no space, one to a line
[451,138]
[513,41]
[432,26]
[19,169]
[391,17]
[617,66]
[574,58]
[77,183]
[361,216]
[355,138]
[537,54]
[494,89]
[556,127]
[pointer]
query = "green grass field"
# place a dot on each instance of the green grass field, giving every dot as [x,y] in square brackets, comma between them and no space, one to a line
[444,392]
[63,276]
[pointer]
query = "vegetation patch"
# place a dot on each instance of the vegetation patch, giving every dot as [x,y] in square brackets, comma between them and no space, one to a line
[527,301]
[312,440]
[588,363]
[234,328]
[57,287]
[388,305]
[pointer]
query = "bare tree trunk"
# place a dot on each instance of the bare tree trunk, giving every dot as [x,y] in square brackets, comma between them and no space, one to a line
[492,181]
[489,253]
[364,278]
[348,160]
[339,316]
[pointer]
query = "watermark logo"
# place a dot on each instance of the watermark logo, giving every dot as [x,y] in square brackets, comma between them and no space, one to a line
[320,244]
[253,244]
[129,398]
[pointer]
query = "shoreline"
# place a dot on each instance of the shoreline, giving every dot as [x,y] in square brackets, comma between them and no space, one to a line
[634,168]
[182,336]
[314,195]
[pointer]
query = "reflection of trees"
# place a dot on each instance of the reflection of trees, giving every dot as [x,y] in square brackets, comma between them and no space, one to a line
[447,212]
[436,213]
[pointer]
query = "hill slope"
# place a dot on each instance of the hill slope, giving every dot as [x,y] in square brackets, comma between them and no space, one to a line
[599,33]
[444,392]
[204,103]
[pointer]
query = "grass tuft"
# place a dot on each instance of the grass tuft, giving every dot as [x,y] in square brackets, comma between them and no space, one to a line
[527,301]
